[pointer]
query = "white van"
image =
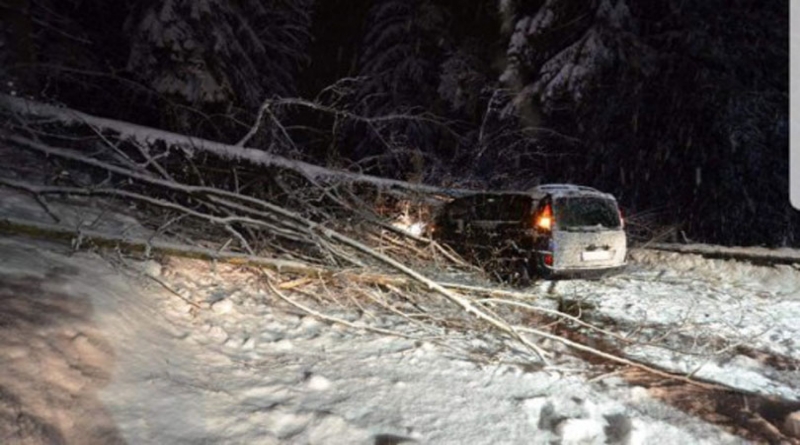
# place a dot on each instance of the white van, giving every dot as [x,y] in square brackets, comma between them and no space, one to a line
[577,229]
[550,230]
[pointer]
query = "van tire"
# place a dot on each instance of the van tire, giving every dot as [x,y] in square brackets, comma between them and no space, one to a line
[523,276]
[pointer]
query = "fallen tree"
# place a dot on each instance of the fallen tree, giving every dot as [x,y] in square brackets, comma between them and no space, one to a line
[123,131]
[334,235]
[83,238]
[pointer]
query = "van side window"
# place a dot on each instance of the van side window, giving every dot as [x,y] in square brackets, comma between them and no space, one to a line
[459,212]
[505,208]
[518,208]
[486,209]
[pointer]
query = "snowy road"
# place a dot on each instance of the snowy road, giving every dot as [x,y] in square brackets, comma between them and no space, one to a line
[722,320]
[248,369]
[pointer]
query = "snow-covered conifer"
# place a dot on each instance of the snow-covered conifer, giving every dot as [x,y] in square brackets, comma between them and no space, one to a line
[213,51]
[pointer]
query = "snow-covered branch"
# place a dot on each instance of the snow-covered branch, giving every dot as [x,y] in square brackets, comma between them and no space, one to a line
[190,144]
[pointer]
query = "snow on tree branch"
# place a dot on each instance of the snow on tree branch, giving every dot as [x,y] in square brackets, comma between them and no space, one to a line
[189,144]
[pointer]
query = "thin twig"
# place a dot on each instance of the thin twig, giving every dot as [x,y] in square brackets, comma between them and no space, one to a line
[329,318]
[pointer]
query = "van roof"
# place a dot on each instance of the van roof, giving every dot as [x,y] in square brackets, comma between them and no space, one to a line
[554,190]
[565,190]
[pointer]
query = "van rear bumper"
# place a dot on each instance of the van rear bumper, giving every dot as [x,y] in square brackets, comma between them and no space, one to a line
[538,267]
[588,272]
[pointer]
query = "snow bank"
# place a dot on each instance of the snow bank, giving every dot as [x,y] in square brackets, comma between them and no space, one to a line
[756,254]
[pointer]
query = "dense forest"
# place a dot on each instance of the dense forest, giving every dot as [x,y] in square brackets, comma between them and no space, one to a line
[678,108]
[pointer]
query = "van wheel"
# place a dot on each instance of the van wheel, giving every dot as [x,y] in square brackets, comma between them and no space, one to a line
[523,277]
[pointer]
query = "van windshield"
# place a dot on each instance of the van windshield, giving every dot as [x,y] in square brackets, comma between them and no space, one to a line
[584,212]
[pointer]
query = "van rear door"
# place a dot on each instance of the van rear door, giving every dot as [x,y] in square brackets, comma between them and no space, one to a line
[588,233]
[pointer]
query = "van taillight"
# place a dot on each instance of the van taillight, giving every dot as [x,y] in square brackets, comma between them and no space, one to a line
[548,259]
[544,220]
[621,219]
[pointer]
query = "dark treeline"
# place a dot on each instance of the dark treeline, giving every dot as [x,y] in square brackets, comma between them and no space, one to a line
[679,108]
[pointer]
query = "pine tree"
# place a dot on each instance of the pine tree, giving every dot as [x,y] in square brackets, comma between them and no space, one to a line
[219,55]
[399,66]
[675,106]
[403,48]
[565,47]
[462,81]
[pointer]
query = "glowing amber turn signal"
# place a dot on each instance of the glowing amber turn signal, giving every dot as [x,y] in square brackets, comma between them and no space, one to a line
[545,219]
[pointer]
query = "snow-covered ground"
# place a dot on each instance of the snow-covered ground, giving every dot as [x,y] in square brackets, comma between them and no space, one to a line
[102,349]
[94,351]
[717,319]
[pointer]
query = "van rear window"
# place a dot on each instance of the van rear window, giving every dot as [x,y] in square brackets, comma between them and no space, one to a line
[581,212]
